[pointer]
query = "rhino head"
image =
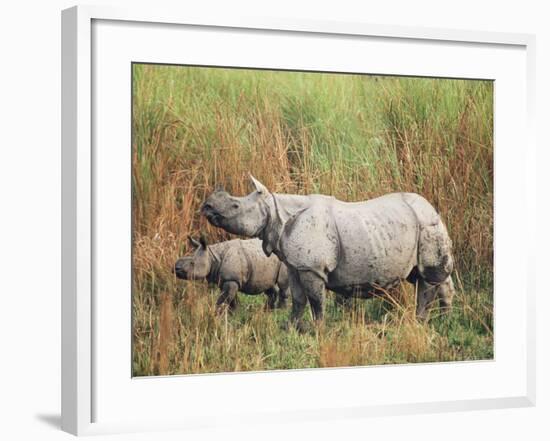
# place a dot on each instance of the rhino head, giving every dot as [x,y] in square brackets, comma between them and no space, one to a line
[247,215]
[196,266]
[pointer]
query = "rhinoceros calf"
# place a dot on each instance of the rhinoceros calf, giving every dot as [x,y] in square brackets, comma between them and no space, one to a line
[355,249]
[236,265]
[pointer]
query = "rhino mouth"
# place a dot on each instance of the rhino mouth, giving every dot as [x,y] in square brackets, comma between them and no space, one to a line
[213,216]
[181,274]
[215,219]
[185,275]
[179,271]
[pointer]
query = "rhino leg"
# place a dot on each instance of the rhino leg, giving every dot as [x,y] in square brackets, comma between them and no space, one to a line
[299,301]
[284,286]
[445,293]
[283,297]
[228,295]
[272,294]
[233,304]
[314,289]
[425,295]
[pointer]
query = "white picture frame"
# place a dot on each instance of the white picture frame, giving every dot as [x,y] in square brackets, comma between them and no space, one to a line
[89,33]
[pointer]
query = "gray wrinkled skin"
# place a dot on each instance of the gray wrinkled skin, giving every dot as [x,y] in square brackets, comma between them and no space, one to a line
[355,249]
[236,265]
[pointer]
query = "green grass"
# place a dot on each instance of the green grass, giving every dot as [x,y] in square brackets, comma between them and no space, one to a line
[371,332]
[352,136]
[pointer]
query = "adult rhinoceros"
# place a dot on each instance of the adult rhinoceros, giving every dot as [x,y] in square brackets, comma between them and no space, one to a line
[352,248]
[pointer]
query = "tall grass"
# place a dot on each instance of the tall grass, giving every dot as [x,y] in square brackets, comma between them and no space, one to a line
[352,136]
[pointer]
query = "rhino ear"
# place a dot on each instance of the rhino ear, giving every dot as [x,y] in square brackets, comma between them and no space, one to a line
[203,242]
[193,242]
[260,188]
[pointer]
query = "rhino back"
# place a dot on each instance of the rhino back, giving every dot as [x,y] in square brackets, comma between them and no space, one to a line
[359,243]
[282,278]
[378,241]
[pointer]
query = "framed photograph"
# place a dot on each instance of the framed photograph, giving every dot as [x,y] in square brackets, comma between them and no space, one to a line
[292,220]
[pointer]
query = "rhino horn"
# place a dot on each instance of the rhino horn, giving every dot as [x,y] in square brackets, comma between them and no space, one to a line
[203,242]
[218,187]
[260,188]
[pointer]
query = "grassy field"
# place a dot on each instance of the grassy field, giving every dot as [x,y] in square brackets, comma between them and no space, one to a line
[355,137]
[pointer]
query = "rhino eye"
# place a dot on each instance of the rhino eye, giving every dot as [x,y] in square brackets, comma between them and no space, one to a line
[235,206]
